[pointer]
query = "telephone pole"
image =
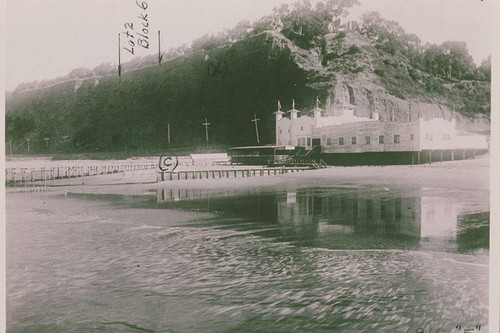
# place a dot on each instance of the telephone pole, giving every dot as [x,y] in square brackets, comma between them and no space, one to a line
[119,58]
[168,135]
[206,124]
[255,120]
[159,49]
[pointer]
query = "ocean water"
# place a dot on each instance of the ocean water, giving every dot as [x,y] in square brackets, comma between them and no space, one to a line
[313,258]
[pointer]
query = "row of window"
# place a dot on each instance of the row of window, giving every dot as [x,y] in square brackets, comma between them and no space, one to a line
[430,137]
[381,140]
[301,128]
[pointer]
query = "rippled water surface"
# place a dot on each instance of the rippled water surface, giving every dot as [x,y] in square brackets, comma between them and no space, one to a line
[310,259]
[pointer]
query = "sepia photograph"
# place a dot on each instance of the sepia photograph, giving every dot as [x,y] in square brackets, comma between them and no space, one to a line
[249,166]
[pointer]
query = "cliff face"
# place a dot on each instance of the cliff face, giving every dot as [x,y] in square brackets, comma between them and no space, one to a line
[228,86]
[353,70]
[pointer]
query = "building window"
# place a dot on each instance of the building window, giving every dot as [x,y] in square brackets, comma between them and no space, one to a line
[298,141]
[341,141]
[381,139]
[329,141]
[367,140]
[353,140]
[412,137]
[396,138]
[308,142]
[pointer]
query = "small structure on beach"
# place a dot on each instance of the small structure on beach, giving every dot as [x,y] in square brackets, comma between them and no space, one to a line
[260,155]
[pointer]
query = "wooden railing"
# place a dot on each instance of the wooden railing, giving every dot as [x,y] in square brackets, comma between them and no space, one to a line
[23,176]
[226,173]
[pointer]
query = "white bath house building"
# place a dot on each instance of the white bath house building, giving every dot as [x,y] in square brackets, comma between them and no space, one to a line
[340,137]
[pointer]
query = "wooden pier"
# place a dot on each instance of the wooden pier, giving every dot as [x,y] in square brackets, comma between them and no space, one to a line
[226,173]
[24,176]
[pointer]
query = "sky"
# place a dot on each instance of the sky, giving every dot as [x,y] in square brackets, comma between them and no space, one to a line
[48,38]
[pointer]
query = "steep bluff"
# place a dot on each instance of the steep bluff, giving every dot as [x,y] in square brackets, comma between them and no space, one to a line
[228,85]
[354,71]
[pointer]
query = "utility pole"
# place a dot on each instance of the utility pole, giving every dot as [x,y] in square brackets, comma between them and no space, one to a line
[28,140]
[10,144]
[168,135]
[119,58]
[206,124]
[159,49]
[255,120]
[47,141]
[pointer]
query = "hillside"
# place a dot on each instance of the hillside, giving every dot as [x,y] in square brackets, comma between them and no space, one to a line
[371,64]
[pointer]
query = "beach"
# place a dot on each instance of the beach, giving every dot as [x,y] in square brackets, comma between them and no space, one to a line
[344,249]
[463,174]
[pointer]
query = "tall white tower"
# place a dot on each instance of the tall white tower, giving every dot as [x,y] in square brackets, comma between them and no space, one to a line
[293,116]
[317,114]
[293,112]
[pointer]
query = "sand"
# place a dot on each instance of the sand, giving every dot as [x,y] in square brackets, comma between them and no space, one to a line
[473,174]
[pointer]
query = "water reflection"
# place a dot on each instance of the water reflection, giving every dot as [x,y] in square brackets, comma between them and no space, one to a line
[346,218]
[257,260]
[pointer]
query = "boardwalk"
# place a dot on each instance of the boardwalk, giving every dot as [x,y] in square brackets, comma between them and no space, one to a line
[24,176]
[28,176]
[226,173]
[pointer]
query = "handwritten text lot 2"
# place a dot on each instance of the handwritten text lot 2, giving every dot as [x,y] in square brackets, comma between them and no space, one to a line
[138,34]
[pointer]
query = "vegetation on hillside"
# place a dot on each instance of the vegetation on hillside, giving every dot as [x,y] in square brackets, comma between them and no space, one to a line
[298,51]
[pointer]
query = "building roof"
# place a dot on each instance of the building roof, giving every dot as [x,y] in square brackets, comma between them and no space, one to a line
[285,147]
